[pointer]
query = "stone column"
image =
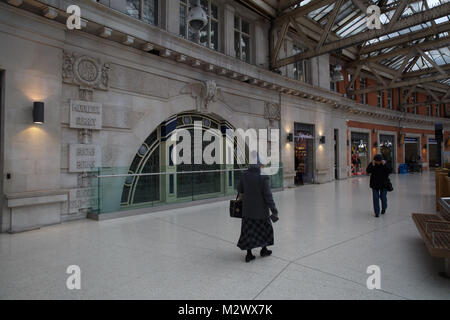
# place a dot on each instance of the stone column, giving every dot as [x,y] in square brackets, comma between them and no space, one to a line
[261,31]
[228,30]
[320,71]
[170,17]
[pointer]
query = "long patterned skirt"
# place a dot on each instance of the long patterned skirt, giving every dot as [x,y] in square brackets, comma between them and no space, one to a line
[255,234]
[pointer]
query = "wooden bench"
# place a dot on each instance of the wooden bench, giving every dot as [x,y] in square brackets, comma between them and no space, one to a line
[435,232]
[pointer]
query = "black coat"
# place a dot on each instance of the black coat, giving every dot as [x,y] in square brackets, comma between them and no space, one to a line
[379,175]
[257,197]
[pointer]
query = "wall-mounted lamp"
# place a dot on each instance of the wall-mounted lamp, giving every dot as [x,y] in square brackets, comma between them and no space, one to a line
[375,144]
[38,112]
[290,137]
[425,146]
[322,139]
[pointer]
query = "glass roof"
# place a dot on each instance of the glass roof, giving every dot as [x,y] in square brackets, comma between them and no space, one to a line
[351,21]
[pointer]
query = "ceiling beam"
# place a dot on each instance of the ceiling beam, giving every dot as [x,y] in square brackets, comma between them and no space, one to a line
[408,37]
[329,24]
[398,12]
[418,18]
[280,39]
[427,45]
[400,84]
[434,64]
[299,11]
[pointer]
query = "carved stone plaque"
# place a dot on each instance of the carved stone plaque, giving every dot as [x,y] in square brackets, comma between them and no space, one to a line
[85,115]
[85,71]
[83,198]
[84,157]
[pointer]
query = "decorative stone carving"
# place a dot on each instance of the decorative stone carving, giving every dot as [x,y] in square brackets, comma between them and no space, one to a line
[204,93]
[85,71]
[272,111]
[85,136]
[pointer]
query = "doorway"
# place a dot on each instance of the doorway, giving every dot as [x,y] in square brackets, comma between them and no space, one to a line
[387,148]
[432,152]
[304,153]
[411,149]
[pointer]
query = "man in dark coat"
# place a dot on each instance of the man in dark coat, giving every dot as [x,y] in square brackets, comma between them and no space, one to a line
[257,200]
[379,178]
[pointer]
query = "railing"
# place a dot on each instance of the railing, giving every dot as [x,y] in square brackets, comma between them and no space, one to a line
[114,189]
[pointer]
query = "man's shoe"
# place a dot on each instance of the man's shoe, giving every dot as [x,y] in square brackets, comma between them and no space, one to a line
[383,211]
[265,252]
[249,257]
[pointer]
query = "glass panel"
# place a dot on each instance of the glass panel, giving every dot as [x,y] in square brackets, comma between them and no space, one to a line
[245,48]
[183,21]
[214,35]
[245,27]
[130,7]
[214,11]
[236,23]
[237,47]
[204,35]
[150,12]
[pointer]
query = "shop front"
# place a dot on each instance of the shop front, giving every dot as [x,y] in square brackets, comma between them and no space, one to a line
[412,153]
[360,156]
[387,148]
[304,153]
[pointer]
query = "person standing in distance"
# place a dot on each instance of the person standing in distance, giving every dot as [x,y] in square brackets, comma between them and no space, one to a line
[379,172]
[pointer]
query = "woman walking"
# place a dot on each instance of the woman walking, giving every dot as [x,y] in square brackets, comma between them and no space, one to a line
[379,179]
[256,228]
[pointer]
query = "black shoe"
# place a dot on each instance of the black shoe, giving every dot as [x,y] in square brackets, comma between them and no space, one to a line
[383,211]
[265,252]
[377,216]
[249,257]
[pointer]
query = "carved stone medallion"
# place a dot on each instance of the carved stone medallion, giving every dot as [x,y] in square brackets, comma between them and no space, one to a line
[85,71]
[272,111]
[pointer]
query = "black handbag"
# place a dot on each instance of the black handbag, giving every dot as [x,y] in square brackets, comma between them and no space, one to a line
[236,208]
[389,186]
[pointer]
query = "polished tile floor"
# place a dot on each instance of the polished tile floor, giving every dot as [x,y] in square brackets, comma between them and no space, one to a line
[324,242]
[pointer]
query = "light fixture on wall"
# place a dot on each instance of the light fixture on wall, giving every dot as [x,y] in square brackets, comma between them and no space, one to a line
[322,140]
[375,144]
[290,137]
[425,146]
[38,112]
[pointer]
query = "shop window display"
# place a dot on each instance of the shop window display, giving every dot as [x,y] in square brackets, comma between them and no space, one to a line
[360,153]
[304,151]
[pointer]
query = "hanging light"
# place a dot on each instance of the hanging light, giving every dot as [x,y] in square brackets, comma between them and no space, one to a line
[337,73]
[197,17]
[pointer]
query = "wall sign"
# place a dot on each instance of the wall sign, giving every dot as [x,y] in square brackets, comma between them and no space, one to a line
[83,198]
[85,115]
[84,157]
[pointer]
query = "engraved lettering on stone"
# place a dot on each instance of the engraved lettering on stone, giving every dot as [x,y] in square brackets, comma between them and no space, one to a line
[83,198]
[85,115]
[84,157]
